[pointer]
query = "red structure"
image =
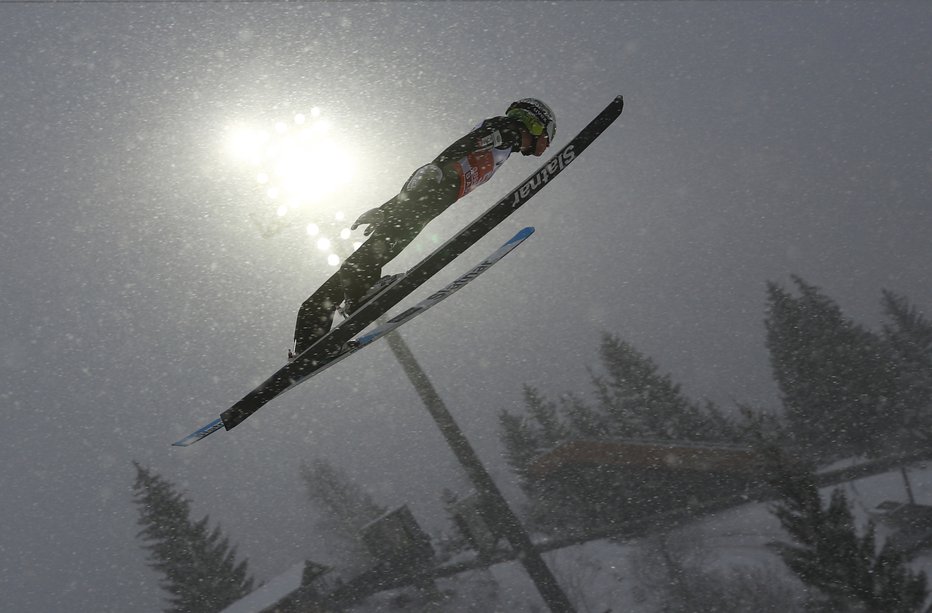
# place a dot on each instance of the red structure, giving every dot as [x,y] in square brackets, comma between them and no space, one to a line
[584,484]
[649,455]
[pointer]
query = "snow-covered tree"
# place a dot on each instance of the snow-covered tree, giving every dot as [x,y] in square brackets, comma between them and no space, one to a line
[198,566]
[344,506]
[678,572]
[638,401]
[522,444]
[550,427]
[633,400]
[457,539]
[837,379]
[827,553]
[909,337]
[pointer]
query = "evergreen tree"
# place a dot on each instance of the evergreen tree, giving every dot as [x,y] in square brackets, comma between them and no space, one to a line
[637,401]
[345,506]
[633,401]
[455,541]
[836,378]
[828,554]
[550,426]
[199,568]
[674,572]
[584,421]
[521,443]
[909,336]
[525,438]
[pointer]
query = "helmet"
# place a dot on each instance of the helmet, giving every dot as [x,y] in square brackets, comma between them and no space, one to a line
[535,115]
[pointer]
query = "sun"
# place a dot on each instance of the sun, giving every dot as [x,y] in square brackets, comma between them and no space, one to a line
[295,163]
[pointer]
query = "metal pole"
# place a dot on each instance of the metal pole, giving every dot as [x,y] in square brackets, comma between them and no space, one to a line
[504,517]
[909,487]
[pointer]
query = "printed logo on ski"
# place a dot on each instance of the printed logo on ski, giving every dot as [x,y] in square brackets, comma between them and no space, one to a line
[541,177]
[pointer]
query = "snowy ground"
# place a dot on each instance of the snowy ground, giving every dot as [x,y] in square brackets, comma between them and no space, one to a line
[602,575]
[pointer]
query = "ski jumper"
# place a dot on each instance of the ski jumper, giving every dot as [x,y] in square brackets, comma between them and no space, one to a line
[431,189]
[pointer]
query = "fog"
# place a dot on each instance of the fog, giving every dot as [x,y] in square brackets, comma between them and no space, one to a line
[140,298]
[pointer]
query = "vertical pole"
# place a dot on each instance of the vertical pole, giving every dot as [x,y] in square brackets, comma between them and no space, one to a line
[909,487]
[506,519]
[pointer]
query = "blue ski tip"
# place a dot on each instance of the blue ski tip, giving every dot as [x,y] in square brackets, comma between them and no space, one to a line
[520,236]
[200,433]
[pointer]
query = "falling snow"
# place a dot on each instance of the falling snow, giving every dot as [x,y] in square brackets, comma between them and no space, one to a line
[179,177]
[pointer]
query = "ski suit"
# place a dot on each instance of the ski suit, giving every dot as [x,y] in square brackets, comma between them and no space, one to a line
[431,189]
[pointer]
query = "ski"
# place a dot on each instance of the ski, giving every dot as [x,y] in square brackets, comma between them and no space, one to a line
[332,342]
[202,432]
[337,338]
[381,330]
[443,294]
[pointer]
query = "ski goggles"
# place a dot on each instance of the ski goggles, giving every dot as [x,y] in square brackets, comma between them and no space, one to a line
[532,123]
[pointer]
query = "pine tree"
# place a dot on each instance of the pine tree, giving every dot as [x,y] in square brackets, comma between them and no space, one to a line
[521,444]
[637,401]
[828,554]
[457,540]
[345,506]
[836,377]
[897,589]
[909,336]
[525,438]
[633,401]
[583,420]
[550,426]
[199,568]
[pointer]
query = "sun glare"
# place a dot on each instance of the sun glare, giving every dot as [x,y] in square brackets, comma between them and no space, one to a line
[296,162]
[299,160]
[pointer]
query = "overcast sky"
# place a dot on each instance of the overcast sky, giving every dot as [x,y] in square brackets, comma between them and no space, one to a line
[139,300]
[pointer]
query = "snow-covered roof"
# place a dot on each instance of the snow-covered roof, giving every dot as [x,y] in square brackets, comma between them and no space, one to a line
[269,593]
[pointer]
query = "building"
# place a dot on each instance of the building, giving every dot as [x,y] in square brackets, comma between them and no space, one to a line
[587,483]
[296,590]
[909,525]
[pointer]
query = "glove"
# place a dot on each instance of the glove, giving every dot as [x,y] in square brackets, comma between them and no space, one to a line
[373,218]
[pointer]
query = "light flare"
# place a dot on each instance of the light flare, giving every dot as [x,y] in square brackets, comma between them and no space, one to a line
[297,162]
[301,160]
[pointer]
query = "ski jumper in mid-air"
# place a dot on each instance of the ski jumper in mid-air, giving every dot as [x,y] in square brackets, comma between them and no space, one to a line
[528,126]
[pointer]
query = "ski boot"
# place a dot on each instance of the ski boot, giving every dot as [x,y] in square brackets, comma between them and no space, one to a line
[351,306]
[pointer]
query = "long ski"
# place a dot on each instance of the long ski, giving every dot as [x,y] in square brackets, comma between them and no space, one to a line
[383,329]
[332,342]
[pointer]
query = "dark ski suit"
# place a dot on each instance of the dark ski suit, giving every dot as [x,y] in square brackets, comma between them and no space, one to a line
[460,168]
